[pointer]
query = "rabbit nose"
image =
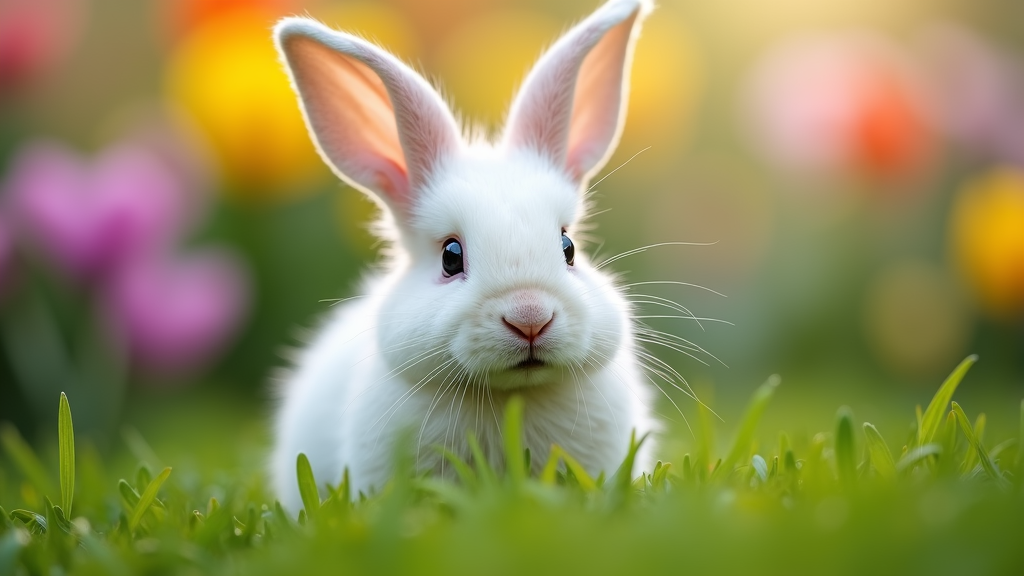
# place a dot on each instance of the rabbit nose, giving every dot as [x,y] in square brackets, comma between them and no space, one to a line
[529,330]
[528,314]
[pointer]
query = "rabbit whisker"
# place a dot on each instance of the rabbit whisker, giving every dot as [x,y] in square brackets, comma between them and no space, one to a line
[672,282]
[397,405]
[429,353]
[642,328]
[718,320]
[594,185]
[454,374]
[642,249]
[665,302]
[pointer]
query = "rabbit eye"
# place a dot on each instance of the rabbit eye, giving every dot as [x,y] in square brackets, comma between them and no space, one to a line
[451,257]
[568,249]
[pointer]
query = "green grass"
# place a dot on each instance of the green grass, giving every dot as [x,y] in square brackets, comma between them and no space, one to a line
[841,502]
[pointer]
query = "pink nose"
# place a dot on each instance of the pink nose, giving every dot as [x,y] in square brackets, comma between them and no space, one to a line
[529,330]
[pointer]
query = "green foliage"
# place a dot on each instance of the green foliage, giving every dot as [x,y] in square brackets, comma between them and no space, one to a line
[928,424]
[881,458]
[66,441]
[745,436]
[147,498]
[815,505]
[307,486]
[845,457]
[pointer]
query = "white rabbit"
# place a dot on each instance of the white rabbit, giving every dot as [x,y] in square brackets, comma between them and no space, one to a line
[483,294]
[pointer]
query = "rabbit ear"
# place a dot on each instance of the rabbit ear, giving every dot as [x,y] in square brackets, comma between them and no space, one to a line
[571,105]
[376,122]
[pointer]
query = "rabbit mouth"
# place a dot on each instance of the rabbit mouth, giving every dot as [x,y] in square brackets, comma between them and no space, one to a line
[530,362]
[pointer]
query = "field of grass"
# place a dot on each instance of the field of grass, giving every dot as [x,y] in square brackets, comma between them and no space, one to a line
[948,500]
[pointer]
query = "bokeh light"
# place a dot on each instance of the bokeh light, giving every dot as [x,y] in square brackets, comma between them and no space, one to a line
[88,218]
[175,314]
[35,38]
[225,73]
[977,90]
[987,235]
[915,318]
[842,104]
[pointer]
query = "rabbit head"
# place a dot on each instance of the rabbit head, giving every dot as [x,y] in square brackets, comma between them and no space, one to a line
[485,281]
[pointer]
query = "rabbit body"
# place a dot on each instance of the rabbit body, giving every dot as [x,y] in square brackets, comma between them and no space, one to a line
[483,295]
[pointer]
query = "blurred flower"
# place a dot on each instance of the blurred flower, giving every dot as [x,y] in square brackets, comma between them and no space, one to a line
[35,35]
[977,92]
[915,319]
[841,104]
[987,235]
[171,135]
[180,17]
[89,217]
[175,313]
[227,75]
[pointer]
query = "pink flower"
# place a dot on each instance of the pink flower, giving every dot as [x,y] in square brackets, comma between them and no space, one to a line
[89,217]
[35,35]
[977,92]
[841,104]
[175,313]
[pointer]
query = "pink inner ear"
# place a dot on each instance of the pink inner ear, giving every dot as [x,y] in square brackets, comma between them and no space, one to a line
[351,117]
[596,108]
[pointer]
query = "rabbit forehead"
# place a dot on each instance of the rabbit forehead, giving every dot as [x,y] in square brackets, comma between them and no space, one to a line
[489,195]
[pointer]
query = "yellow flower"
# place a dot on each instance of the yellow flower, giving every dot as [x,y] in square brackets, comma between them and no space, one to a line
[226,73]
[988,240]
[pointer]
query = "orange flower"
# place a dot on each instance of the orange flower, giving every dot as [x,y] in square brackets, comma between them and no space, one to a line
[988,240]
[179,17]
[849,104]
[226,73]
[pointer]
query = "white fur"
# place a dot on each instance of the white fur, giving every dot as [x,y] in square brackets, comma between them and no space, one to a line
[432,356]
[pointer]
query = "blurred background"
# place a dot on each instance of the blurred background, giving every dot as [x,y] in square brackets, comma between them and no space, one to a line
[167,232]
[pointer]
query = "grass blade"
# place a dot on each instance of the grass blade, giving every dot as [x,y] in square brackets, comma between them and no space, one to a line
[983,457]
[623,481]
[932,417]
[918,454]
[36,523]
[513,436]
[462,469]
[660,476]
[846,463]
[971,459]
[881,457]
[128,494]
[582,477]
[741,445]
[66,442]
[147,498]
[307,485]
[483,466]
